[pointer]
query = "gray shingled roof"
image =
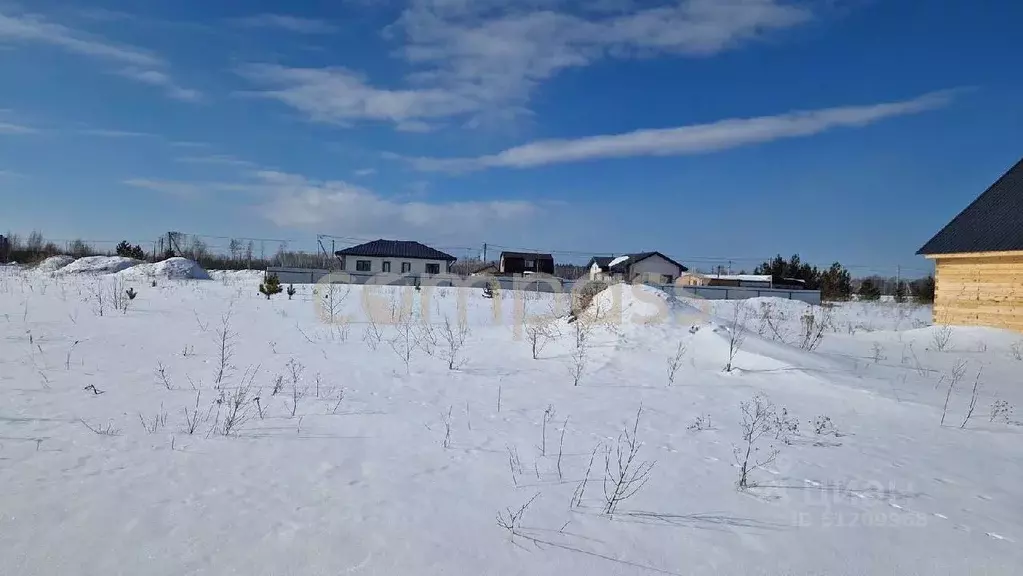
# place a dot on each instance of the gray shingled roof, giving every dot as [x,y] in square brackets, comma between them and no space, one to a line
[533,255]
[992,223]
[396,249]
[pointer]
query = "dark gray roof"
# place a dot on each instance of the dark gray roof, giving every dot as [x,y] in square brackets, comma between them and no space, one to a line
[992,223]
[396,249]
[533,255]
[605,261]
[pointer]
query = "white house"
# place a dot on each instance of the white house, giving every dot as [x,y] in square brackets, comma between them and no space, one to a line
[394,256]
[651,267]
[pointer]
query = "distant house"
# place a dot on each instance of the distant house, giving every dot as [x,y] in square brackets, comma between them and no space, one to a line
[978,259]
[651,267]
[522,262]
[488,269]
[395,256]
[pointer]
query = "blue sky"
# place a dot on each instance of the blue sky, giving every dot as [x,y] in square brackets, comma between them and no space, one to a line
[846,130]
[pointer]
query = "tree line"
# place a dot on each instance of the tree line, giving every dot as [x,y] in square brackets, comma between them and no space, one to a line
[836,283]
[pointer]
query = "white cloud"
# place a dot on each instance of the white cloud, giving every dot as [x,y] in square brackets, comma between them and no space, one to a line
[365,171]
[486,57]
[10,128]
[694,139]
[338,95]
[289,23]
[217,159]
[136,63]
[295,201]
[163,80]
[102,133]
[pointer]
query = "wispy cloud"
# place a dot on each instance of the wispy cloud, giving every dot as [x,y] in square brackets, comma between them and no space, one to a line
[694,139]
[296,201]
[340,96]
[486,57]
[136,63]
[162,80]
[217,159]
[188,144]
[365,171]
[102,133]
[288,23]
[11,128]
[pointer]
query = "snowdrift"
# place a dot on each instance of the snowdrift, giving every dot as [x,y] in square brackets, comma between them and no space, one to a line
[54,263]
[640,304]
[99,265]
[176,268]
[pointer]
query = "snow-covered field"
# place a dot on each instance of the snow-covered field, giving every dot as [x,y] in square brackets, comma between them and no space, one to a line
[202,429]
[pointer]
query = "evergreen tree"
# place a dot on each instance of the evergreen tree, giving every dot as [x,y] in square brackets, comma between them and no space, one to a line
[923,290]
[900,292]
[129,251]
[836,283]
[780,269]
[270,286]
[291,291]
[869,290]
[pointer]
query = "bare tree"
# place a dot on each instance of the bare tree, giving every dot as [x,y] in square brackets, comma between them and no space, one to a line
[403,343]
[548,415]
[624,475]
[295,370]
[238,404]
[454,338]
[193,416]
[332,300]
[225,349]
[941,337]
[581,333]
[758,416]
[675,362]
[512,521]
[737,329]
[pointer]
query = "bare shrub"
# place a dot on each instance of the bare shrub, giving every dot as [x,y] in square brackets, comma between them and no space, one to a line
[332,300]
[953,378]
[877,352]
[581,333]
[239,407]
[403,343]
[295,370]
[193,416]
[823,426]
[1001,411]
[1016,348]
[548,415]
[446,419]
[372,335]
[737,329]
[225,349]
[785,425]
[973,399]
[161,373]
[941,337]
[814,323]
[158,421]
[454,337]
[701,423]
[107,430]
[277,385]
[758,418]
[624,475]
[340,399]
[675,362]
[539,333]
[512,521]
[580,489]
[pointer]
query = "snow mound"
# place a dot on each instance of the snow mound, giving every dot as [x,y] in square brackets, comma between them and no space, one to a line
[176,268]
[641,304]
[54,263]
[99,265]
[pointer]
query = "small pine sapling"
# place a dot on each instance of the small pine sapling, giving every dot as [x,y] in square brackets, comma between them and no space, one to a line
[270,286]
[291,291]
[131,293]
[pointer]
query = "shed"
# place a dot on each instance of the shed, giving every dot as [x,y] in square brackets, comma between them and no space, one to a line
[978,259]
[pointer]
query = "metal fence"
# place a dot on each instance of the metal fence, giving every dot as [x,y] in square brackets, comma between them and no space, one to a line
[546,284]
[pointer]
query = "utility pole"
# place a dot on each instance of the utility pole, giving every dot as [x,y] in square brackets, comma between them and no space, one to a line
[484,251]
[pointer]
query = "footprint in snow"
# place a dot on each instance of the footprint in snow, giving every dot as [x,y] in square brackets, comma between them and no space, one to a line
[896,506]
[942,516]
[997,536]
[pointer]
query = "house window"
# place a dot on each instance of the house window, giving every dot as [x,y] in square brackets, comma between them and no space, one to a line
[433,268]
[530,263]
[406,267]
[386,267]
[667,279]
[363,265]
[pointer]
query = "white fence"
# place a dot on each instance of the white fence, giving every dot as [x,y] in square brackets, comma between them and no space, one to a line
[547,284]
